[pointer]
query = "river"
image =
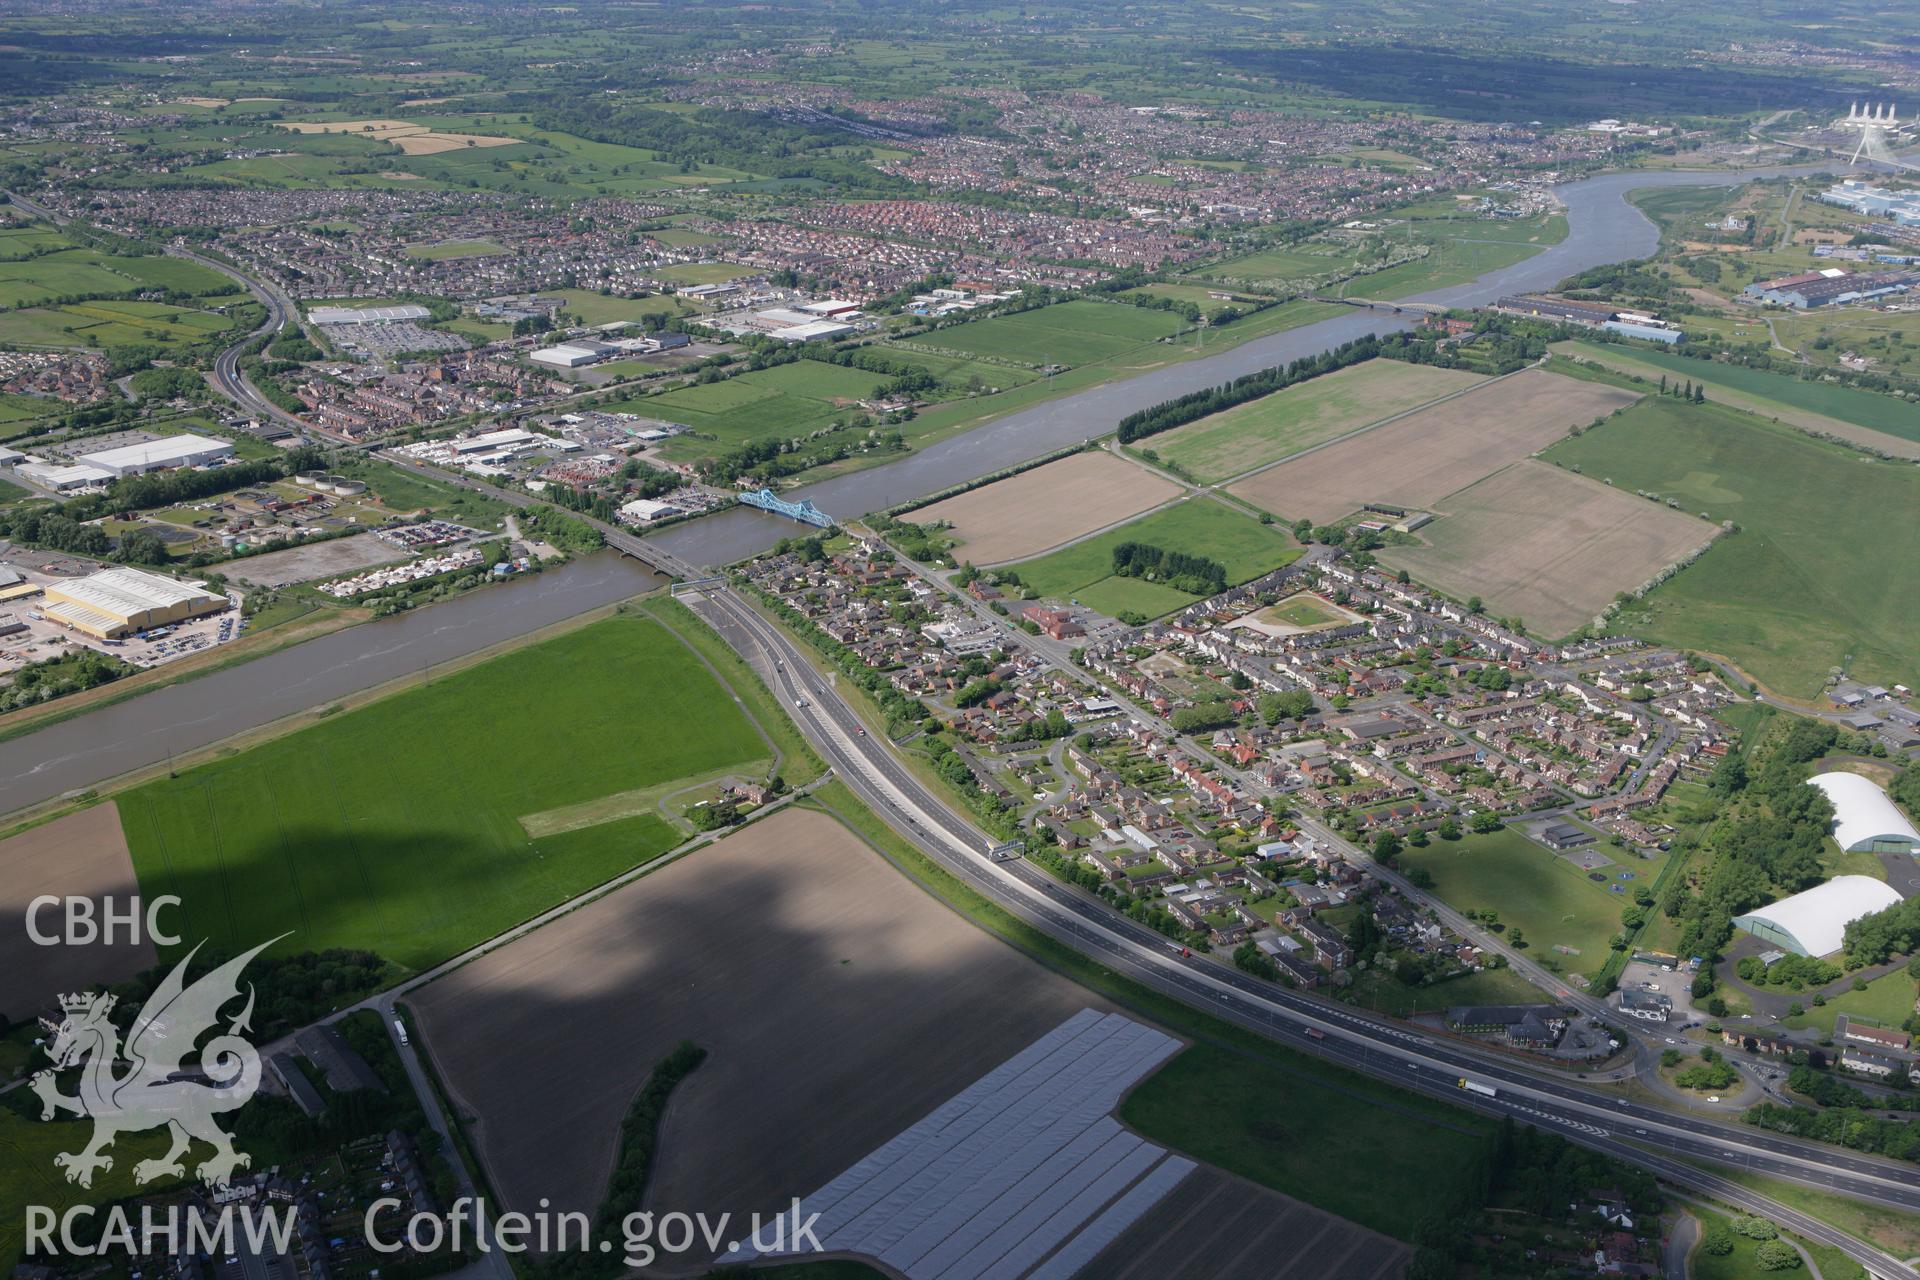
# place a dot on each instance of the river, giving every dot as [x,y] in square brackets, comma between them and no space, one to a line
[89,749]
[92,748]
[1601,228]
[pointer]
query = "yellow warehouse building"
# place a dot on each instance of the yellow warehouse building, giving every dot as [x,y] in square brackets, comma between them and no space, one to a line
[119,602]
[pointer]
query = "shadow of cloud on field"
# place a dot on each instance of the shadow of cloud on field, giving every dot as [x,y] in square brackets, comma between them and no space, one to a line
[837,1001]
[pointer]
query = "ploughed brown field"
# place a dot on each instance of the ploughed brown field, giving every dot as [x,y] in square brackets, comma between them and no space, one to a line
[1548,545]
[838,1002]
[1038,510]
[83,855]
[1417,460]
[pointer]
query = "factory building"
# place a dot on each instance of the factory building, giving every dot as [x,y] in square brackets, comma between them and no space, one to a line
[158,455]
[119,602]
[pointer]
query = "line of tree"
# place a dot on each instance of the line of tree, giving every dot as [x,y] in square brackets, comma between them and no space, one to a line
[1195,405]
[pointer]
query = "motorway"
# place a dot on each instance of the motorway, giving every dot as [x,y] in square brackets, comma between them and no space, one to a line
[1645,1136]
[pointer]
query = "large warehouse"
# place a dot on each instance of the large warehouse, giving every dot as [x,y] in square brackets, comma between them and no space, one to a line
[1865,819]
[1814,923]
[118,602]
[186,450]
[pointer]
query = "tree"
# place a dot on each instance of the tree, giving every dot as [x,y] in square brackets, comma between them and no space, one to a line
[1386,846]
[1777,1255]
[1718,1241]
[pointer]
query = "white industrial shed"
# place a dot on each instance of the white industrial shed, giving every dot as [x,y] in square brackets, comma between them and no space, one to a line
[1814,923]
[1864,817]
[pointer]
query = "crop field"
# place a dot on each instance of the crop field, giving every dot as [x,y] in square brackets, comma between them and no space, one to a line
[350,833]
[829,988]
[788,399]
[1199,526]
[1067,333]
[80,855]
[1549,900]
[1419,459]
[1865,417]
[1310,413]
[1026,514]
[1824,569]
[1546,545]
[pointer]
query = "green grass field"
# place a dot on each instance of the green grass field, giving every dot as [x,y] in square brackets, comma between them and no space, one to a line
[1547,898]
[1278,265]
[1301,611]
[396,827]
[1272,427]
[28,1175]
[1759,389]
[1278,1128]
[1202,526]
[114,323]
[652,311]
[1825,566]
[444,249]
[705,273]
[1888,1001]
[788,399]
[1067,333]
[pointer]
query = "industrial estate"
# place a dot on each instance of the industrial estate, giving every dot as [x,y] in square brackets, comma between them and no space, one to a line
[1055,641]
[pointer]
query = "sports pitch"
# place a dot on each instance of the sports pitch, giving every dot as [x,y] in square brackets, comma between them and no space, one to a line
[396,827]
[1548,546]
[1416,460]
[1311,413]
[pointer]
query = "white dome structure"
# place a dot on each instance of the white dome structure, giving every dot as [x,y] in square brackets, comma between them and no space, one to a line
[1814,923]
[1865,819]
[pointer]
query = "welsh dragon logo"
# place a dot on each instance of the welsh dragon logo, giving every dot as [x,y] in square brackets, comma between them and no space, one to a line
[157,1089]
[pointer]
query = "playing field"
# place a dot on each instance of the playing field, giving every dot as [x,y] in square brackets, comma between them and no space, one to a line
[1543,544]
[1550,901]
[1026,514]
[1879,422]
[1067,333]
[826,987]
[1824,569]
[1198,526]
[1311,413]
[1416,460]
[82,855]
[786,400]
[396,827]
